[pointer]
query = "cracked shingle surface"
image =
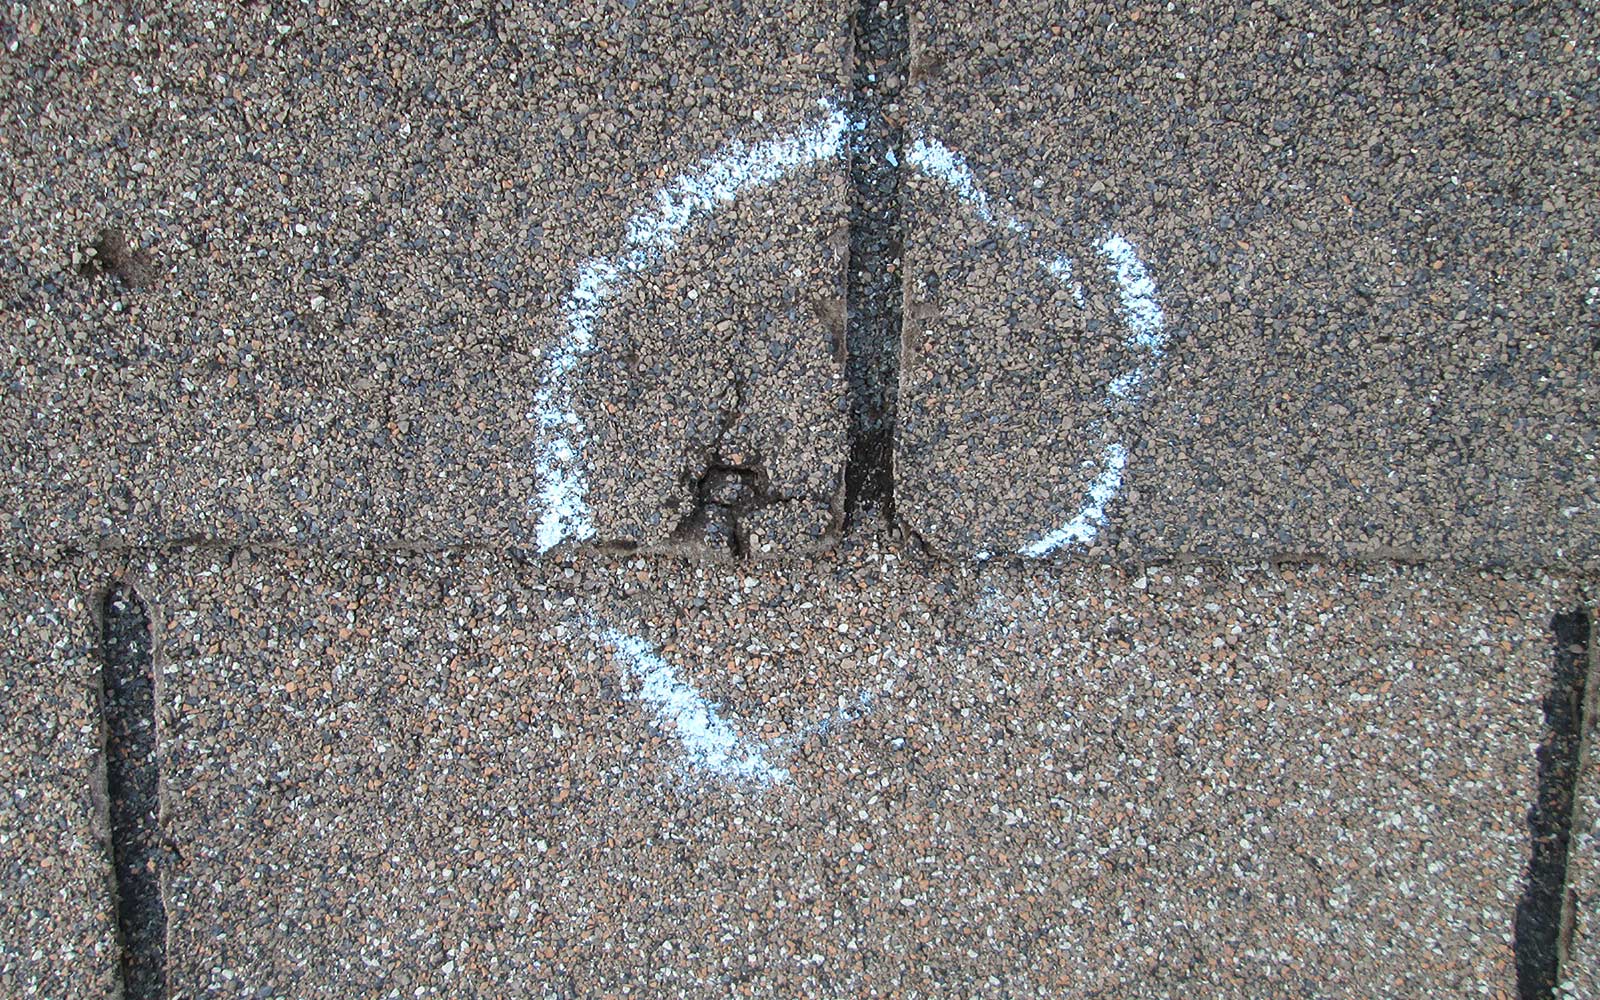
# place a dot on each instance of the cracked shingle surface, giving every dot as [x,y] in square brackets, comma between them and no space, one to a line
[335,256]
[363,230]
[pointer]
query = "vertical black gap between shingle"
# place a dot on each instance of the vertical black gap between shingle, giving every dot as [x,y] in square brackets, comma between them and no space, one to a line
[873,293]
[1536,938]
[133,787]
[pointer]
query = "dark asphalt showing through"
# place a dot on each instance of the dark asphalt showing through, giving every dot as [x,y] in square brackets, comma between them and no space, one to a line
[874,285]
[133,782]
[1539,913]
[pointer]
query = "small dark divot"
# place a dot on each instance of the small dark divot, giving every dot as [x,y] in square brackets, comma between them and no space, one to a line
[1537,936]
[725,483]
[111,255]
[133,782]
[723,495]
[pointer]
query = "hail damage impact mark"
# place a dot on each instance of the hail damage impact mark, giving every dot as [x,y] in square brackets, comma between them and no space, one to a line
[873,334]
[652,234]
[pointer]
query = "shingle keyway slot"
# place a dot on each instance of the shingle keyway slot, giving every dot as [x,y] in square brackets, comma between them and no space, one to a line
[133,782]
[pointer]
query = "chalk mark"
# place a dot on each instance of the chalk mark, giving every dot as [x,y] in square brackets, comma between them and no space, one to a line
[654,232]
[1141,311]
[710,742]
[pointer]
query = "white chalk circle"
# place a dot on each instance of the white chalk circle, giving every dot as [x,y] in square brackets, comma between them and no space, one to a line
[1146,339]
[651,235]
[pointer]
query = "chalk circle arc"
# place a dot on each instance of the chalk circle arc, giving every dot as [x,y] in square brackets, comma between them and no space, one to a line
[1141,313]
[652,234]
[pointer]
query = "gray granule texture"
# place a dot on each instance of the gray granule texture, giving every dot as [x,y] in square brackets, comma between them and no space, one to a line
[1373,235]
[434,776]
[58,930]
